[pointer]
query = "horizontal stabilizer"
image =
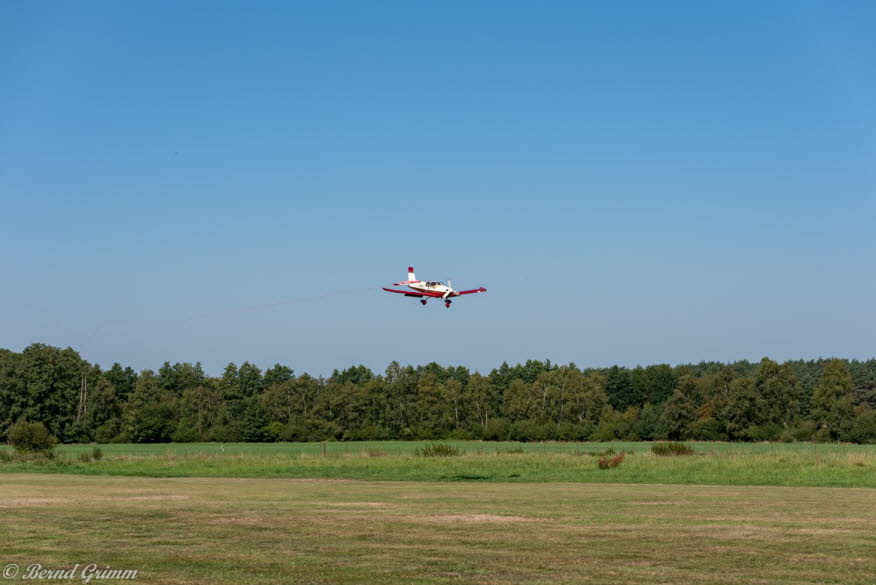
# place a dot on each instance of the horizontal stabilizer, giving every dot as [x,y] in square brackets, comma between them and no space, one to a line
[474,290]
[408,293]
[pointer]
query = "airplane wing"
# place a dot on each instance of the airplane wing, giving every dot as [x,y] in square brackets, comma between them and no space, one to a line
[408,293]
[474,290]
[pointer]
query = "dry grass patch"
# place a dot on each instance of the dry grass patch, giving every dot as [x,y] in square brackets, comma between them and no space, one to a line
[277,531]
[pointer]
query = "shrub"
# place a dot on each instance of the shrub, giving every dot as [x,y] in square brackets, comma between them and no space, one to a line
[527,430]
[572,432]
[864,427]
[184,433]
[31,437]
[85,458]
[611,463]
[671,448]
[438,450]
[764,432]
[105,432]
[510,450]
[223,434]
[122,437]
[707,429]
[272,431]
[822,436]
[496,429]
[606,431]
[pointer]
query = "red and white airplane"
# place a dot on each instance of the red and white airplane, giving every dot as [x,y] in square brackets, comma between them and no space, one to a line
[424,290]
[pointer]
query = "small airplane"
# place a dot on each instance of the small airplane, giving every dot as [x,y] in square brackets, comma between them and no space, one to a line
[433,289]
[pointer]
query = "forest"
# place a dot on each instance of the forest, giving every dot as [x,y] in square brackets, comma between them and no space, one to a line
[800,400]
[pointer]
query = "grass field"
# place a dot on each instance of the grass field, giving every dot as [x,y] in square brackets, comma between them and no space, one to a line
[240,531]
[822,465]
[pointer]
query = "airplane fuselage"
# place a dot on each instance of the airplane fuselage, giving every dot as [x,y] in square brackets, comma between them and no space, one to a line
[433,287]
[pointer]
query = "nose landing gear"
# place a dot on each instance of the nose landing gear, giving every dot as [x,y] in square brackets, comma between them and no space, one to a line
[447,304]
[422,301]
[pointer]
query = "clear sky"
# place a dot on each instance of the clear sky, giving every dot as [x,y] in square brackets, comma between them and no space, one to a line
[634,182]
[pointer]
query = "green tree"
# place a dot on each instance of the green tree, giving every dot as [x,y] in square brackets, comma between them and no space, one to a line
[740,409]
[679,413]
[620,390]
[480,399]
[103,404]
[778,391]
[434,414]
[49,387]
[201,408]
[149,413]
[832,400]
[122,379]
[277,374]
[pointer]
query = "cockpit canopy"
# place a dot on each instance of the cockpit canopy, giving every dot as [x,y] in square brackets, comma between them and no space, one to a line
[434,283]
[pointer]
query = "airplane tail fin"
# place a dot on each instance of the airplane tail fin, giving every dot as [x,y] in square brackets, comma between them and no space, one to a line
[412,278]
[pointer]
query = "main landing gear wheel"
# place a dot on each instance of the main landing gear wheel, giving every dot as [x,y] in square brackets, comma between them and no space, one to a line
[422,301]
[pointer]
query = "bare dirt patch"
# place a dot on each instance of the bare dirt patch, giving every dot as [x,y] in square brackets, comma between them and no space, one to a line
[154,498]
[15,502]
[463,518]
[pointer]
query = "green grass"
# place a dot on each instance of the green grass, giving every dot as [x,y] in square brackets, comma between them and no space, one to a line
[825,465]
[279,531]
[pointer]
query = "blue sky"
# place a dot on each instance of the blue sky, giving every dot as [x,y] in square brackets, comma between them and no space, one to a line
[634,182]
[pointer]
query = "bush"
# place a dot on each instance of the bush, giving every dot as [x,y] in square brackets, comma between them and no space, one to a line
[438,450]
[801,431]
[122,437]
[518,450]
[223,434]
[184,433]
[822,436]
[707,429]
[606,431]
[671,448]
[611,463]
[527,430]
[461,435]
[571,432]
[496,429]
[105,432]
[864,427]
[764,432]
[272,431]
[31,437]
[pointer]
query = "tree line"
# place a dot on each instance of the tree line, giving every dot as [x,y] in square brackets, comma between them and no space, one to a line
[814,400]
